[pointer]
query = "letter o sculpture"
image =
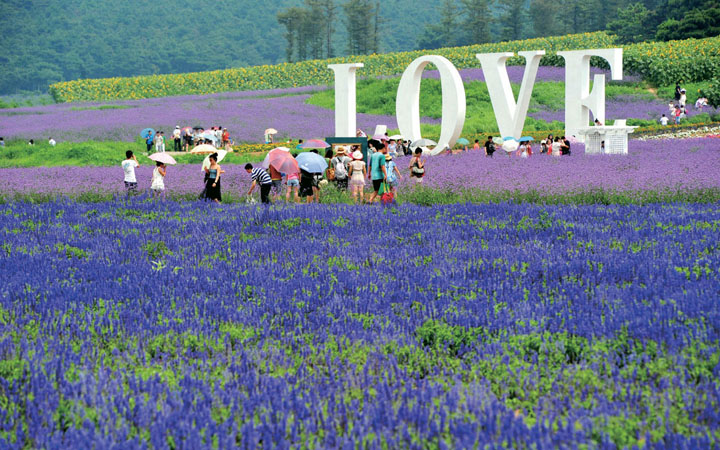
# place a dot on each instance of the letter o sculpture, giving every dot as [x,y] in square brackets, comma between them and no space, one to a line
[407,106]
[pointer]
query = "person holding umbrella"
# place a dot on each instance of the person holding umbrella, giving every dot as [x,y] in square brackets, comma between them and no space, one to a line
[212,185]
[261,177]
[157,184]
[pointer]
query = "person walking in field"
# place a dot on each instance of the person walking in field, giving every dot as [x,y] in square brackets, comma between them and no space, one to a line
[357,176]
[212,185]
[393,174]
[378,172]
[489,147]
[160,142]
[341,164]
[149,140]
[176,139]
[225,139]
[157,185]
[417,166]
[261,177]
[129,165]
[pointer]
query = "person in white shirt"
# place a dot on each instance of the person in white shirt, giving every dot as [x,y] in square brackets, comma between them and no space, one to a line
[683,99]
[392,148]
[160,142]
[664,120]
[158,178]
[52,142]
[556,147]
[176,138]
[129,165]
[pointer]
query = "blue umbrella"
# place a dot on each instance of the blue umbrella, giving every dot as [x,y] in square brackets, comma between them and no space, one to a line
[463,141]
[527,139]
[311,162]
[509,138]
[144,133]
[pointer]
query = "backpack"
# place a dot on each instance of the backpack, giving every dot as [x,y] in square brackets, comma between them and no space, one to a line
[339,169]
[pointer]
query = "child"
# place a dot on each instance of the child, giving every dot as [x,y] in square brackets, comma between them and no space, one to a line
[393,174]
[158,178]
[129,165]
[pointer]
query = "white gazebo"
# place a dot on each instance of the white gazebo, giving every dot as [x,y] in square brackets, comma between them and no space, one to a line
[614,137]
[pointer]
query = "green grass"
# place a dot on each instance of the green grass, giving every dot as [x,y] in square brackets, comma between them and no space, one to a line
[378,97]
[18,153]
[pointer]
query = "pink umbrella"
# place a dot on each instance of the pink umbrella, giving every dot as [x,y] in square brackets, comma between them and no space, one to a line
[163,158]
[315,143]
[282,161]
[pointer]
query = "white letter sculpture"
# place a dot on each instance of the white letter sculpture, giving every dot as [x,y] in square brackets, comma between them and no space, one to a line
[510,116]
[345,99]
[407,106]
[579,101]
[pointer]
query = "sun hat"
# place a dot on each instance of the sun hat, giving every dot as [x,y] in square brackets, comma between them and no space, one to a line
[357,154]
[341,150]
[388,158]
[177,126]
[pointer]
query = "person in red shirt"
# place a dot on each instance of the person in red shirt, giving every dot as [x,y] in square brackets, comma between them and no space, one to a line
[225,139]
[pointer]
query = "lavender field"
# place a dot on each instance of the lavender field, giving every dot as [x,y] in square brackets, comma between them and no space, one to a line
[670,165]
[184,325]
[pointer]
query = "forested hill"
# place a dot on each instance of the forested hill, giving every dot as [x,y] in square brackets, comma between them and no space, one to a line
[43,41]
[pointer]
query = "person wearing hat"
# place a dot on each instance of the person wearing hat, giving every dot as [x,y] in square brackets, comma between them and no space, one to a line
[176,138]
[393,173]
[357,175]
[341,164]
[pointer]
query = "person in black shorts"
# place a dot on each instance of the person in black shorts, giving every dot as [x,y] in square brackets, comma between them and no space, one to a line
[306,185]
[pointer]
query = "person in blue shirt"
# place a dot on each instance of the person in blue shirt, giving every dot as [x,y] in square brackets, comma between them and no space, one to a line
[393,174]
[149,141]
[378,171]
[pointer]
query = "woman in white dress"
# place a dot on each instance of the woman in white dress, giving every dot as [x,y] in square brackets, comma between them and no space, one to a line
[357,175]
[158,179]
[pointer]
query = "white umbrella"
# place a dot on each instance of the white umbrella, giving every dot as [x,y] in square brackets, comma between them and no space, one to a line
[204,148]
[396,137]
[510,146]
[271,131]
[423,143]
[206,161]
[163,158]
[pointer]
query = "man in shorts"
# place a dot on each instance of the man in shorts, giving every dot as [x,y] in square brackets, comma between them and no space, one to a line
[129,165]
[341,163]
[378,172]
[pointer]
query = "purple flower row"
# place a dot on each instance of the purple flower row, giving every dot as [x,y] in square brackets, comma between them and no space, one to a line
[650,165]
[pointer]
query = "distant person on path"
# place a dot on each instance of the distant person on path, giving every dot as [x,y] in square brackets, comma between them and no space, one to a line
[664,120]
[212,186]
[52,142]
[357,176]
[677,114]
[417,166]
[2,142]
[678,91]
[129,165]
[683,98]
[300,144]
[187,141]
[176,139]
[31,142]
[225,139]
[378,172]
[158,178]
[598,123]
[149,141]
[261,177]
[160,142]
[489,147]
[341,164]
[219,136]
[476,145]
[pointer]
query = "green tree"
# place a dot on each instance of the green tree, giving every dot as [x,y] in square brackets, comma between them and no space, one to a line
[359,18]
[698,23]
[632,24]
[443,34]
[542,15]
[514,19]
[476,22]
